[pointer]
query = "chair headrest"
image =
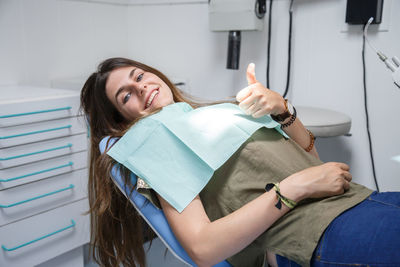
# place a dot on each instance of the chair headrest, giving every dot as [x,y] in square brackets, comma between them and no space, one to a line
[103,143]
[115,172]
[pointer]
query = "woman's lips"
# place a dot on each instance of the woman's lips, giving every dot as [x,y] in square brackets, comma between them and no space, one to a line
[153,94]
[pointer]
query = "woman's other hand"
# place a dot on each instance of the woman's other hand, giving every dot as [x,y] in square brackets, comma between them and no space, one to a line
[256,99]
[329,179]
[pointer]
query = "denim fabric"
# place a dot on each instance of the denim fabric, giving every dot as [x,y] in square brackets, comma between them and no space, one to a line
[365,235]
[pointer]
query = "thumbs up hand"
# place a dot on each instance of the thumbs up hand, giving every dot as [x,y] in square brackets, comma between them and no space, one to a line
[256,99]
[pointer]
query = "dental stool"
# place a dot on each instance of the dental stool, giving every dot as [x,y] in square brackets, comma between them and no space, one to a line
[324,122]
[153,216]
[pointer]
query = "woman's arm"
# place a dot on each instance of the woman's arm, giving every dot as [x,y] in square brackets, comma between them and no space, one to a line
[257,100]
[208,243]
[300,135]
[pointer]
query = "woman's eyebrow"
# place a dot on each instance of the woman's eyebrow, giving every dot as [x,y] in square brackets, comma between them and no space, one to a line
[123,87]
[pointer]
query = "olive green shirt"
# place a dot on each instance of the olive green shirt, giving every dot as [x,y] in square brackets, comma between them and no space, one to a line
[267,157]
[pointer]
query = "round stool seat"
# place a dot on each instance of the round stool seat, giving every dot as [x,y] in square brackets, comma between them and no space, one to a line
[324,122]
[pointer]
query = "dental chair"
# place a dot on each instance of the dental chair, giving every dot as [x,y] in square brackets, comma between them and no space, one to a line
[153,216]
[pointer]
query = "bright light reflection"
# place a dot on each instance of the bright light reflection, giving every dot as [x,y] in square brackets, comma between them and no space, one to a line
[396,158]
[211,122]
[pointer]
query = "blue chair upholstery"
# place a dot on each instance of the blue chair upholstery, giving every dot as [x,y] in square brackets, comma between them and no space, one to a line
[154,217]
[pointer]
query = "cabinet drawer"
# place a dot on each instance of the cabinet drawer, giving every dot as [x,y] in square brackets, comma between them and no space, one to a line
[23,104]
[34,132]
[18,155]
[36,171]
[41,237]
[33,198]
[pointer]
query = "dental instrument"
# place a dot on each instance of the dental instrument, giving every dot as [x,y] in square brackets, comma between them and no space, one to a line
[393,64]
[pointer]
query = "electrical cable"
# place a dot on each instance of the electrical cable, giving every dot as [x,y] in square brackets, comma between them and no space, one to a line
[366,111]
[289,49]
[365,32]
[269,42]
[289,62]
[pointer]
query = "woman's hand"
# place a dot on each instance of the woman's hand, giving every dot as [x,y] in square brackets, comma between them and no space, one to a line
[257,100]
[325,180]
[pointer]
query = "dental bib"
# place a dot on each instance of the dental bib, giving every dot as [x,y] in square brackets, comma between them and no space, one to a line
[177,150]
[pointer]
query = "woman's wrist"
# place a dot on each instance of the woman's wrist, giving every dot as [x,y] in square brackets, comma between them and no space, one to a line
[291,191]
[290,120]
[282,200]
[280,115]
[287,116]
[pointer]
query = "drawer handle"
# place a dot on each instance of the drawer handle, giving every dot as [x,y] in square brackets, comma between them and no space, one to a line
[36,132]
[38,172]
[37,197]
[40,238]
[37,152]
[34,112]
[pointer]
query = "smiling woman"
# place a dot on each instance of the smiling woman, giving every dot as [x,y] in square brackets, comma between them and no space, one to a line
[113,223]
[136,92]
[271,196]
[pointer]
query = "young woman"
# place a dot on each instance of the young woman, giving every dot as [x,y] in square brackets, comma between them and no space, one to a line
[335,222]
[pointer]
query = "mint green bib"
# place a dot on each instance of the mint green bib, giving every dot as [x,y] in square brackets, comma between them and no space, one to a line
[177,150]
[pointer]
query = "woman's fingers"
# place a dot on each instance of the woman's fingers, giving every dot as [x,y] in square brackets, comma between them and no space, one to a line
[343,166]
[343,170]
[347,176]
[246,103]
[328,179]
[259,113]
[243,94]
[251,106]
[252,109]
[346,186]
[255,102]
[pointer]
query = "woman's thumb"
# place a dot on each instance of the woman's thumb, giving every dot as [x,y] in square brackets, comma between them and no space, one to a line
[251,74]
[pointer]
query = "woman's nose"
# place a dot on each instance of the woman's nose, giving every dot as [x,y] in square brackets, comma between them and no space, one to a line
[142,89]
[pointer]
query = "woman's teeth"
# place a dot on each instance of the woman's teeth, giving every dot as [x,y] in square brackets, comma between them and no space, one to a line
[153,94]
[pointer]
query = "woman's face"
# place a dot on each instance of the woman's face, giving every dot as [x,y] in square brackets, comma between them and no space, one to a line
[135,92]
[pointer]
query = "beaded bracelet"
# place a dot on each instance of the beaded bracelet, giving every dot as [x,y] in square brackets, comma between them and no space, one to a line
[312,141]
[281,199]
[292,119]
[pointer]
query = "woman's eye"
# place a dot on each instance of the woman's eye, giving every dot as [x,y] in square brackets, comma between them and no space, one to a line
[126,98]
[139,77]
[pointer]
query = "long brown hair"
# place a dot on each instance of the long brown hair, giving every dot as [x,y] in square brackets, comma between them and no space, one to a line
[116,230]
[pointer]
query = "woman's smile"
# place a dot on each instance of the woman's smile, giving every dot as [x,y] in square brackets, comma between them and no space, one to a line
[151,97]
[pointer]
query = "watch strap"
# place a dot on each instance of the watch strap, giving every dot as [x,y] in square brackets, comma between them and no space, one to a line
[283,116]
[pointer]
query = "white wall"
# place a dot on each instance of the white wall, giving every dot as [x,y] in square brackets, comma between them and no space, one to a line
[327,70]
[46,40]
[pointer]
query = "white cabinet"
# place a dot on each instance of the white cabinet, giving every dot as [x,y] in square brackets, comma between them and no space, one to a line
[43,175]
[44,236]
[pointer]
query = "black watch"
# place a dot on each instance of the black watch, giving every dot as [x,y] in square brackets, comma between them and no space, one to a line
[283,116]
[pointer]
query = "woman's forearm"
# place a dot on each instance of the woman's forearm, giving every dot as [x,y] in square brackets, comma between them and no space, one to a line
[300,135]
[227,236]
[208,243]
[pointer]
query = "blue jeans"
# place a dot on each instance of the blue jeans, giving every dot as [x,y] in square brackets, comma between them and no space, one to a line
[365,235]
